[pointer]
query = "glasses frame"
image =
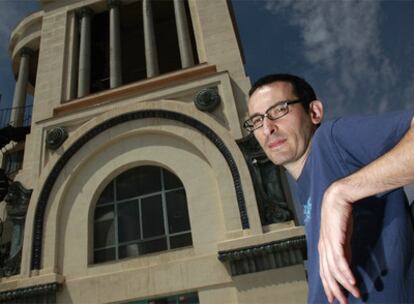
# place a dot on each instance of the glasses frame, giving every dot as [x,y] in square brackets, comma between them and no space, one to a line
[246,124]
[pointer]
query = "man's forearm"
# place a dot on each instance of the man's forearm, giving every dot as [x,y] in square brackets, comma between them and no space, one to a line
[392,170]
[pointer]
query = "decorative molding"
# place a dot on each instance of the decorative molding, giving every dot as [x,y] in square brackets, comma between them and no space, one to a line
[207,100]
[140,87]
[266,256]
[56,137]
[29,292]
[76,146]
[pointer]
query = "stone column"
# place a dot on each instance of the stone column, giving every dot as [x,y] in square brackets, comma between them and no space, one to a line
[20,91]
[84,70]
[151,59]
[72,58]
[115,68]
[184,42]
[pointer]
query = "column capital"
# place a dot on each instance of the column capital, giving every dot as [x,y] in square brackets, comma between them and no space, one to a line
[113,3]
[26,52]
[85,11]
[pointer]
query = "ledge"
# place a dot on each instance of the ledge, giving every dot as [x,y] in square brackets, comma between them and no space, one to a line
[278,232]
[17,287]
[139,87]
[19,282]
[276,254]
[29,292]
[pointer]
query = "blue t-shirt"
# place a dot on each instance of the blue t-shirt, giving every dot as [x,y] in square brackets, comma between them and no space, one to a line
[383,236]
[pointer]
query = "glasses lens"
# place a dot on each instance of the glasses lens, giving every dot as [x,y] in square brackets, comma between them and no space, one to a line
[257,121]
[277,111]
[253,123]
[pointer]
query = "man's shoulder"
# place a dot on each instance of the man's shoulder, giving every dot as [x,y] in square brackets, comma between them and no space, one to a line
[325,130]
[366,124]
[369,118]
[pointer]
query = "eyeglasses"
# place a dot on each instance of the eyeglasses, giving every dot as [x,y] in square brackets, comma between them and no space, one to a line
[276,111]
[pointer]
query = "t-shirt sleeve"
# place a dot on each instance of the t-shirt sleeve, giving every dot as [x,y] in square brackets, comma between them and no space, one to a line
[362,139]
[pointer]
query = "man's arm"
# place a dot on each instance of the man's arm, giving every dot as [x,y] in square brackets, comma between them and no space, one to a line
[392,170]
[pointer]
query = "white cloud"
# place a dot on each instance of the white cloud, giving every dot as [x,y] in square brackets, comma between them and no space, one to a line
[343,39]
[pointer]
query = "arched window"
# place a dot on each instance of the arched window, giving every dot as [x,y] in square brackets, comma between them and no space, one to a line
[142,210]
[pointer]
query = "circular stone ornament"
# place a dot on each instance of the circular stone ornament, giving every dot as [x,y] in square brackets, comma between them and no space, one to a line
[56,137]
[207,100]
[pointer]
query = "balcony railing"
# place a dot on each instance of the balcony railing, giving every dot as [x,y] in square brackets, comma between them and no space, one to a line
[6,112]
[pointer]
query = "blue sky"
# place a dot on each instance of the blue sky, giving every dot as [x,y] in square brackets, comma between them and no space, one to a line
[11,12]
[358,55]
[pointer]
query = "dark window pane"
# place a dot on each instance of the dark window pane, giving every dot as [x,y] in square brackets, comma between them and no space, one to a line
[130,250]
[171,181]
[152,216]
[104,213]
[181,240]
[162,301]
[177,211]
[159,301]
[107,195]
[104,255]
[138,181]
[128,221]
[100,50]
[153,246]
[191,298]
[104,234]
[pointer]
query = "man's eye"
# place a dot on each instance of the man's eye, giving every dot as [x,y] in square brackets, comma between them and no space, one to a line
[279,109]
[256,120]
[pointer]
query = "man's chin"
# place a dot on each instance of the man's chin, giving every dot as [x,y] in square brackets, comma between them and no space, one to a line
[279,160]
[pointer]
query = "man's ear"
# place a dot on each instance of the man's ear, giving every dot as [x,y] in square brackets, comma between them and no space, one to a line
[316,111]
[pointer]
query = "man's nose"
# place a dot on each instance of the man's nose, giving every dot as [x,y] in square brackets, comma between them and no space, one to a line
[269,126]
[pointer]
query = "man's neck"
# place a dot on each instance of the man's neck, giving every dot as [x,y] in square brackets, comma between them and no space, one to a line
[295,168]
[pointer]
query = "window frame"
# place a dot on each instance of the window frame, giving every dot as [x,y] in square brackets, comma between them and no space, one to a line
[138,200]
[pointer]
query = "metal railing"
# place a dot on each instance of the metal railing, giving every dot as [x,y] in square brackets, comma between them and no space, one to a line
[6,112]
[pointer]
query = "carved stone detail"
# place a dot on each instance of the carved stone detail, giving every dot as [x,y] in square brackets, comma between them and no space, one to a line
[270,197]
[4,184]
[17,200]
[207,100]
[56,137]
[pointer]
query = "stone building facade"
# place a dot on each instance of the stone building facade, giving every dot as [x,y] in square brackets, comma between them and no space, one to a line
[138,184]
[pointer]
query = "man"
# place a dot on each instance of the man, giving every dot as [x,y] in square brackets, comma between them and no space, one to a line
[349,173]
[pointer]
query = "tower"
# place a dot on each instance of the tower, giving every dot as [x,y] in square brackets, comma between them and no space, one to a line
[139,181]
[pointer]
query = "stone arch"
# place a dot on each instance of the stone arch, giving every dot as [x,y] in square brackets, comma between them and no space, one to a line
[106,125]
